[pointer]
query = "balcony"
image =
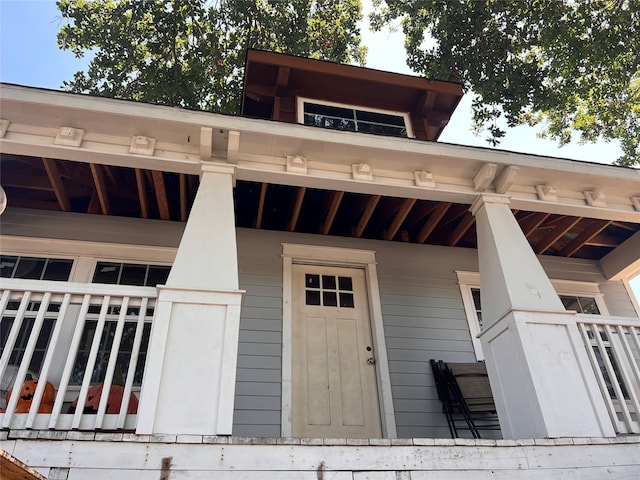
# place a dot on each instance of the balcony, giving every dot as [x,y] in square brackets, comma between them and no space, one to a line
[78,340]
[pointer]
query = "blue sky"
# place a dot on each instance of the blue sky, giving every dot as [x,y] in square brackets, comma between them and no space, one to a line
[29,56]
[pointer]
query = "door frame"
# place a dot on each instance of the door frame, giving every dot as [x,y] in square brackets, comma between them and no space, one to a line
[335,257]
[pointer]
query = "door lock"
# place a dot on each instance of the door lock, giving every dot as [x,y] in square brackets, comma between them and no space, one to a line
[371,361]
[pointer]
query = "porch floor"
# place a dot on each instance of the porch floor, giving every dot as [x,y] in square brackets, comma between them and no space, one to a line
[74,455]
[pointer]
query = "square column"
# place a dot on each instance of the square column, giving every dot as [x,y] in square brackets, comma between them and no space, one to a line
[540,375]
[189,380]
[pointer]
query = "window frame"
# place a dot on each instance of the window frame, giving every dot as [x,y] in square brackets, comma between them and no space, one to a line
[300,101]
[97,260]
[470,280]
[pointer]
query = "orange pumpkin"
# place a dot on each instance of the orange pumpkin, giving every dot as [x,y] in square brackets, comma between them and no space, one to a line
[27,393]
[113,400]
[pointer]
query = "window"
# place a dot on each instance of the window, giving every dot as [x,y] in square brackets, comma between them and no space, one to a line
[345,117]
[329,290]
[582,297]
[142,275]
[35,268]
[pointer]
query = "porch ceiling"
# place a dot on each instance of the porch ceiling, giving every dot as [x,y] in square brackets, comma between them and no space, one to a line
[62,185]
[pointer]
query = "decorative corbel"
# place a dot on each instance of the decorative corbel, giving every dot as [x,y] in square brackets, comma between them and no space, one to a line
[69,136]
[424,179]
[362,171]
[547,193]
[296,164]
[595,198]
[506,179]
[142,145]
[484,177]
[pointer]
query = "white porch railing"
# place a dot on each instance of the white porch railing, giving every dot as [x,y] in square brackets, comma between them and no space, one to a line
[613,347]
[73,336]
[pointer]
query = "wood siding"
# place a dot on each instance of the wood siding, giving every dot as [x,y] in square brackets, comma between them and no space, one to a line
[421,305]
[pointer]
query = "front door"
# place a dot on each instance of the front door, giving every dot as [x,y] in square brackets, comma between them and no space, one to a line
[333,362]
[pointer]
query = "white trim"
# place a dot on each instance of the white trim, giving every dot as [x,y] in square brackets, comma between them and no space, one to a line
[343,257]
[469,280]
[300,111]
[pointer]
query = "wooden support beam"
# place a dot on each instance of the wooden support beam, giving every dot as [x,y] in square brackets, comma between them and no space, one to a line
[291,226]
[101,188]
[27,182]
[142,193]
[94,204]
[263,194]
[370,207]
[161,194]
[463,227]
[587,234]
[400,217]
[562,227]
[183,197]
[56,183]
[336,198]
[530,223]
[433,220]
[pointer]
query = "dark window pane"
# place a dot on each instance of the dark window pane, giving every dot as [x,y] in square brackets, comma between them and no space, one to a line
[133,274]
[328,111]
[329,282]
[312,281]
[346,300]
[29,268]
[313,297]
[570,303]
[58,269]
[382,118]
[588,305]
[475,293]
[345,283]
[157,275]
[107,272]
[329,299]
[7,264]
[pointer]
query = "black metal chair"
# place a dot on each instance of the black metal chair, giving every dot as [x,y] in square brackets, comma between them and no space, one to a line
[465,393]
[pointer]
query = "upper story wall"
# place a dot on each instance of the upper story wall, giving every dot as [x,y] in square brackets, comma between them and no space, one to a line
[274,82]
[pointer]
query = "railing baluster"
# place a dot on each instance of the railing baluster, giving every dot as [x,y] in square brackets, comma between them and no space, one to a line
[91,361]
[31,345]
[71,358]
[615,383]
[111,366]
[596,369]
[135,350]
[6,354]
[632,377]
[46,364]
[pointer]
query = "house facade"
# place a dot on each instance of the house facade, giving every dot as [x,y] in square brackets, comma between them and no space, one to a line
[261,296]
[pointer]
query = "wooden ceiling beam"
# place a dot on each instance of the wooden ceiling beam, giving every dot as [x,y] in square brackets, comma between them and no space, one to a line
[369,208]
[101,188]
[142,193]
[56,183]
[263,194]
[94,204]
[562,226]
[161,194]
[433,220]
[336,199]
[399,219]
[463,227]
[27,182]
[297,206]
[530,223]
[587,234]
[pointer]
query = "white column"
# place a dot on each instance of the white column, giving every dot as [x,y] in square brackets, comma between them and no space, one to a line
[540,374]
[189,381]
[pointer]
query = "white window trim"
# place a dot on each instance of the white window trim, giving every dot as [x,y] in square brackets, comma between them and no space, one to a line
[469,280]
[300,111]
[342,257]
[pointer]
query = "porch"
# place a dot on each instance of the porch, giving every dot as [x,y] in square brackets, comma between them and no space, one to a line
[76,336]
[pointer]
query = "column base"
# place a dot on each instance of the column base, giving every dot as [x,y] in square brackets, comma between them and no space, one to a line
[541,378]
[189,383]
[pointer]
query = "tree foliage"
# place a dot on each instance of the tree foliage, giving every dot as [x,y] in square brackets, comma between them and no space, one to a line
[570,65]
[191,53]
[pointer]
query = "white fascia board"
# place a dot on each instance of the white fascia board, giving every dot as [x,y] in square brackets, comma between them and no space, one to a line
[149,112]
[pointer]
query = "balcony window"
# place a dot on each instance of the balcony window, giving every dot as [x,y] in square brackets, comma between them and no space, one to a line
[354,119]
[35,268]
[142,275]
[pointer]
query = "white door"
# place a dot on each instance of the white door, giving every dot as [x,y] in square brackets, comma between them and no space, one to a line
[334,390]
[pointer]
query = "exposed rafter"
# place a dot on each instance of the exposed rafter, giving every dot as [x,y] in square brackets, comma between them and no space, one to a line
[142,194]
[101,188]
[263,193]
[562,226]
[369,208]
[297,206]
[336,198]
[400,217]
[56,183]
[431,223]
[161,195]
[463,227]
[587,234]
